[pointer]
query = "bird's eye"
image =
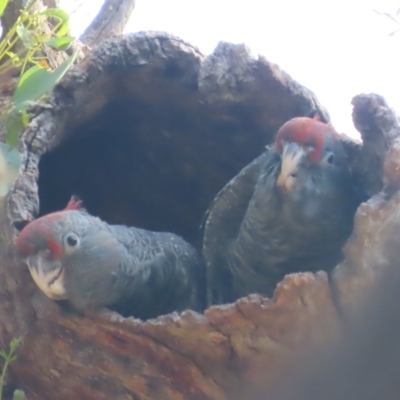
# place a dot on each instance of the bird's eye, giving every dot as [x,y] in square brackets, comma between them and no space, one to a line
[330,159]
[72,240]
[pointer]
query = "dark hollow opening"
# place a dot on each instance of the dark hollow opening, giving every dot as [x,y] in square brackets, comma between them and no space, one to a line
[156,167]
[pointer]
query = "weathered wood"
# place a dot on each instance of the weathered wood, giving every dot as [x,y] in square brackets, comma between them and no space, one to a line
[146,130]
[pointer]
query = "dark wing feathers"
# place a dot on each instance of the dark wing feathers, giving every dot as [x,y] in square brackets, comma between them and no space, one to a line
[172,274]
[222,225]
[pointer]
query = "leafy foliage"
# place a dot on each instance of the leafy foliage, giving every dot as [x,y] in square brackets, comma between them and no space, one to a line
[8,359]
[36,76]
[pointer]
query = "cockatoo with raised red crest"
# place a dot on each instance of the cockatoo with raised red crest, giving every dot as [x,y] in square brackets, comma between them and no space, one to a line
[289,210]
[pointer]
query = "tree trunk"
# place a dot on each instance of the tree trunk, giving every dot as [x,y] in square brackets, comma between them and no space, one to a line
[146,130]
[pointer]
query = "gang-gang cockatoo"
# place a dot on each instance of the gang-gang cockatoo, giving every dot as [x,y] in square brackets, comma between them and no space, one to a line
[289,210]
[75,256]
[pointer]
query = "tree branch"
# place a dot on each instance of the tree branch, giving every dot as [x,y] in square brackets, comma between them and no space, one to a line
[110,21]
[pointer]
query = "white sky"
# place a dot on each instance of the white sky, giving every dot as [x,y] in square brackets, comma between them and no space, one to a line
[335,48]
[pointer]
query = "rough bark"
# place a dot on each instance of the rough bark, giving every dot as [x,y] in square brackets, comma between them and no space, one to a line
[109,22]
[365,363]
[146,130]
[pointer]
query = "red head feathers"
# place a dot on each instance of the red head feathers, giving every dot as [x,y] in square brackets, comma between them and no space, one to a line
[25,247]
[308,132]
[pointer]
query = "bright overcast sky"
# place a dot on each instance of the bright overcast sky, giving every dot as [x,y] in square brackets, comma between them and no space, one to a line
[336,48]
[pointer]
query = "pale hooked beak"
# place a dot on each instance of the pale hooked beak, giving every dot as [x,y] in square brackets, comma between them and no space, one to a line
[291,157]
[48,275]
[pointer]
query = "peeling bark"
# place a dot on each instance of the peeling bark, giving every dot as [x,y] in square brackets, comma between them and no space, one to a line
[365,363]
[147,130]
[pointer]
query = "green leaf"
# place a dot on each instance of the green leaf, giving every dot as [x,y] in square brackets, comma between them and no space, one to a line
[14,127]
[60,43]
[3,353]
[57,13]
[25,117]
[19,395]
[39,82]
[25,105]
[62,16]
[27,37]
[14,344]
[28,73]
[63,29]
[3,5]
[13,135]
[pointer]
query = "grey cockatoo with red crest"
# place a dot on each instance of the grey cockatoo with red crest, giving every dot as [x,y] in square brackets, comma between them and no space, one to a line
[75,256]
[289,210]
